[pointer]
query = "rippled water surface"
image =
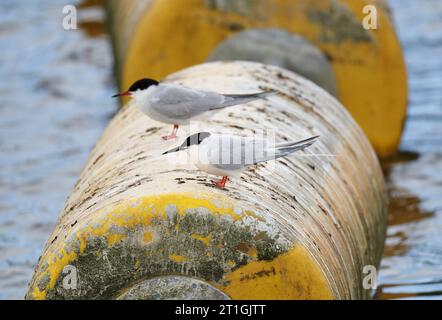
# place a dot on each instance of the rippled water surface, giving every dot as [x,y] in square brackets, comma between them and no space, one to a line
[412,263]
[54,104]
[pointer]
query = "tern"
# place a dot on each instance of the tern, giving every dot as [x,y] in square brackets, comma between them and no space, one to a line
[177,105]
[229,155]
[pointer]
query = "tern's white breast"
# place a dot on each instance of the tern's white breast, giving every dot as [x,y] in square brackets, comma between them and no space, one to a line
[146,100]
[210,158]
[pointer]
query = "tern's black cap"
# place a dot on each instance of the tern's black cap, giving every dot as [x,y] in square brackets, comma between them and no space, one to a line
[142,84]
[194,139]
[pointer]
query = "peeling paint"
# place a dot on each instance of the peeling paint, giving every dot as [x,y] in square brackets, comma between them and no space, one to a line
[196,236]
[338,24]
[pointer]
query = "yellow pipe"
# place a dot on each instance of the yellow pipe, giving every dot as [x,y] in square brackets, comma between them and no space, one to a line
[157,37]
[302,227]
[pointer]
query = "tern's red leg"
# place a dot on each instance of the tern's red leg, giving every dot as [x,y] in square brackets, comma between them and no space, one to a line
[222,183]
[173,134]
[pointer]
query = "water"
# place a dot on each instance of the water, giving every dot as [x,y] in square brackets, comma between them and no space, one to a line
[412,263]
[54,104]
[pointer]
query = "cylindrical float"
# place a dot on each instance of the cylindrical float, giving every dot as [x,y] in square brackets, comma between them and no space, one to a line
[282,49]
[157,37]
[302,227]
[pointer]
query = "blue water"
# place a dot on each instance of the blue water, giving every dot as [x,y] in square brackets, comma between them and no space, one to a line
[412,263]
[54,104]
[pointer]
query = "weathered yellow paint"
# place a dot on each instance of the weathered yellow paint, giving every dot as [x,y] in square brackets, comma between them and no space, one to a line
[114,238]
[252,252]
[147,237]
[39,295]
[60,260]
[205,240]
[137,264]
[368,65]
[128,214]
[231,263]
[291,276]
[56,261]
[178,258]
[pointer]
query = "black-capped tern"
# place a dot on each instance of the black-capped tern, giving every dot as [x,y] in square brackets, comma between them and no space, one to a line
[229,155]
[177,105]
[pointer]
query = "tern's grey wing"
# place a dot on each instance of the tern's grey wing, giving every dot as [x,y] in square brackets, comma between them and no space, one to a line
[234,152]
[286,148]
[179,102]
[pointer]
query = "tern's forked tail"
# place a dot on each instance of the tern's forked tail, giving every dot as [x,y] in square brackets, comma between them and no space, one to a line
[235,99]
[283,149]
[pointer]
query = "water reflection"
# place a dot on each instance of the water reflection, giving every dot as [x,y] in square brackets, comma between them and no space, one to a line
[405,207]
[91,18]
[411,266]
[412,263]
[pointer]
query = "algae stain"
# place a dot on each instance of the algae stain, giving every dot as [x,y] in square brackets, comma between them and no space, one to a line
[208,241]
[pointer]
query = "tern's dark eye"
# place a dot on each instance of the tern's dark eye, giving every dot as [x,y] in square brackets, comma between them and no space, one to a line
[195,139]
[142,84]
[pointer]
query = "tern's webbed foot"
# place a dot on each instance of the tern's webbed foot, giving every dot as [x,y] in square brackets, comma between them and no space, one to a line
[173,134]
[218,184]
[169,137]
[221,183]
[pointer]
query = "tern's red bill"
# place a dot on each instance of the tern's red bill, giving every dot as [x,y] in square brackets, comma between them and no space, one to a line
[122,94]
